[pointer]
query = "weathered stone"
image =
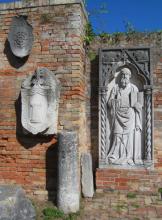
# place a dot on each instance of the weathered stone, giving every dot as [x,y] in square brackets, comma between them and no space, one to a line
[14,205]
[125,108]
[68,181]
[87,175]
[40,94]
[20,37]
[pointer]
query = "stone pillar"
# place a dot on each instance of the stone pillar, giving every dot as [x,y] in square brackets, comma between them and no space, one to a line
[68,180]
[148,123]
[103,151]
[87,175]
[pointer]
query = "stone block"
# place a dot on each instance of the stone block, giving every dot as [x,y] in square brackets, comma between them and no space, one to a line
[87,175]
[14,205]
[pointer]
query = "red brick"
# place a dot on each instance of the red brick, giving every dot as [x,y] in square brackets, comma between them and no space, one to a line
[121,179]
[30,164]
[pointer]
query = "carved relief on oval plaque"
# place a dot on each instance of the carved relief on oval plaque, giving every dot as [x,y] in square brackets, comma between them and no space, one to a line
[125,116]
[40,94]
[20,37]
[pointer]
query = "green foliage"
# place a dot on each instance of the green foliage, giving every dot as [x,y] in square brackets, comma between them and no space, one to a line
[135,205]
[89,34]
[105,36]
[92,55]
[72,216]
[52,212]
[117,36]
[160,190]
[27,1]
[45,18]
[159,32]
[120,207]
[131,195]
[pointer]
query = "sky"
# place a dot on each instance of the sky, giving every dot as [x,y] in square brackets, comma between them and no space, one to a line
[143,15]
[2,1]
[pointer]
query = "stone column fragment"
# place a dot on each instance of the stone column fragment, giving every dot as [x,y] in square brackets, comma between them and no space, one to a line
[68,180]
[87,175]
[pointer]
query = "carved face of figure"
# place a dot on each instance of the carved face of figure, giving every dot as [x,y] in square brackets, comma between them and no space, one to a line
[38,98]
[38,109]
[40,95]
[125,77]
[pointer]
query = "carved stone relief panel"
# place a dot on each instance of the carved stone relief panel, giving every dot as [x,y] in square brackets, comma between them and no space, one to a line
[125,108]
[20,37]
[40,94]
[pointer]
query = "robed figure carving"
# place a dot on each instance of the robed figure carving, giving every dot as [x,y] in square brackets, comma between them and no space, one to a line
[125,104]
[40,97]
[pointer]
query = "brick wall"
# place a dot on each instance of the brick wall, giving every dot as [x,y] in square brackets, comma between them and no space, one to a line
[58,45]
[141,180]
[58,28]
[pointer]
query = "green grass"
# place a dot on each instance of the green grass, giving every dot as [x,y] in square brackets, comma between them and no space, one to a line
[54,213]
[131,195]
[120,207]
[50,213]
[135,205]
[72,216]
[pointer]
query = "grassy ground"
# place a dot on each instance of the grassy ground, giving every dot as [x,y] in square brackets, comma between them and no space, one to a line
[107,206]
[48,211]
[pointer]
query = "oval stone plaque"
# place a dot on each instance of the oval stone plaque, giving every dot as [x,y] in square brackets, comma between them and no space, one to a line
[20,37]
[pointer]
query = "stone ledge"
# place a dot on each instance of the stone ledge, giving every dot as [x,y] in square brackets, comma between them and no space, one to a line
[39,3]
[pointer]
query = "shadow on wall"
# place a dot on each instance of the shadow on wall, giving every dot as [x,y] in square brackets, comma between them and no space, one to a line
[14,61]
[52,172]
[94,80]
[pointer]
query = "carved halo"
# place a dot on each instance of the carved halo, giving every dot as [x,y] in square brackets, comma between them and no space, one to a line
[120,65]
[134,70]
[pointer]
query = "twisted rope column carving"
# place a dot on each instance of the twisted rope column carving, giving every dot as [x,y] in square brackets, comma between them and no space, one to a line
[103,123]
[148,150]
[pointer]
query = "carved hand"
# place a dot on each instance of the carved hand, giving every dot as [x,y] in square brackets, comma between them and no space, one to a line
[138,128]
[138,106]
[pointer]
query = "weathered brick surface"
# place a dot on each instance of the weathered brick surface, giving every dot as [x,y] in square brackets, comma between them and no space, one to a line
[141,180]
[58,45]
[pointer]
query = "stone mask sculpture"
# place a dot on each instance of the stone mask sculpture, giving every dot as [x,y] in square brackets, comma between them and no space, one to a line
[20,37]
[39,97]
